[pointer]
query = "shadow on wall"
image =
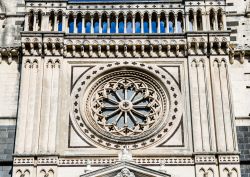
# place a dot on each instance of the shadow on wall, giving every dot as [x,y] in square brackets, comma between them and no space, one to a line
[8,6]
[7,36]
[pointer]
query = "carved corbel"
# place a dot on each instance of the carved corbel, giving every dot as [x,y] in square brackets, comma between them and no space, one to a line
[45,45]
[177,50]
[65,50]
[160,50]
[23,48]
[168,50]
[185,49]
[90,50]
[61,48]
[211,47]
[39,48]
[53,48]
[205,48]
[99,47]
[189,48]
[10,57]
[219,47]
[73,50]
[227,50]
[116,50]
[108,50]
[151,50]
[242,56]
[134,50]
[196,47]
[142,50]
[125,50]
[32,48]
[231,55]
[82,50]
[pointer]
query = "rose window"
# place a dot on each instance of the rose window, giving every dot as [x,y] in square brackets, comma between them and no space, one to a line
[126,106]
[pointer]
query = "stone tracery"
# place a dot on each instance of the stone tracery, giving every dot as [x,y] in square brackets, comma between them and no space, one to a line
[126,106]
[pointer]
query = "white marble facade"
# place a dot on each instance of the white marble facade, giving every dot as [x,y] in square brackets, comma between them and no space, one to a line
[125,88]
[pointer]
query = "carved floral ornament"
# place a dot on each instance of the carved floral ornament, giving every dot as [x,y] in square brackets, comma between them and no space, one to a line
[125,173]
[116,104]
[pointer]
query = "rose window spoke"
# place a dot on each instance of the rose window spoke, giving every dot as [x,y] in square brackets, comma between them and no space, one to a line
[125,106]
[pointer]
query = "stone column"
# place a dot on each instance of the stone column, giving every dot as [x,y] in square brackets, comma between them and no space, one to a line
[46,106]
[215,21]
[64,22]
[31,108]
[108,24]
[125,24]
[116,24]
[100,24]
[34,22]
[223,109]
[142,24]
[150,23]
[23,107]
[26,27]
[208,21]
[201,105]
[75,25]
[175,23]
[158,23]
[83,25]
[224,21]
[91,24]
[55,23]
[204,24]
[195,22]
[187,22]
[183,23]
[133,23]
[54,107]
[167,25]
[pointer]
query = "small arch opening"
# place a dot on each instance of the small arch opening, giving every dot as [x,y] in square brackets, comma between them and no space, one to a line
[199,20]
[59,21]
[171,22]
[137,23]
[31,21]
[112,23]
[212,19]
[180,23]
[220,20]
[121,23]
[154,23]
[39,21]
[87,23]
[162,23]
[52,21]
[146,23]
[71,23]
[79,23]
[96,23]
[104,23]
[191,20]
[129,23]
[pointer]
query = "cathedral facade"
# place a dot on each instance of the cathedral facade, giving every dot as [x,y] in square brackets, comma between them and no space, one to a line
[129,88]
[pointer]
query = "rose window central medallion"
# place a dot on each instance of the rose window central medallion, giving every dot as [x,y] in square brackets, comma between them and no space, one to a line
[126,106]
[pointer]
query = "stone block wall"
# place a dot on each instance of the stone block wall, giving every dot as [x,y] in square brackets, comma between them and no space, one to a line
[243,133]
[7,138]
